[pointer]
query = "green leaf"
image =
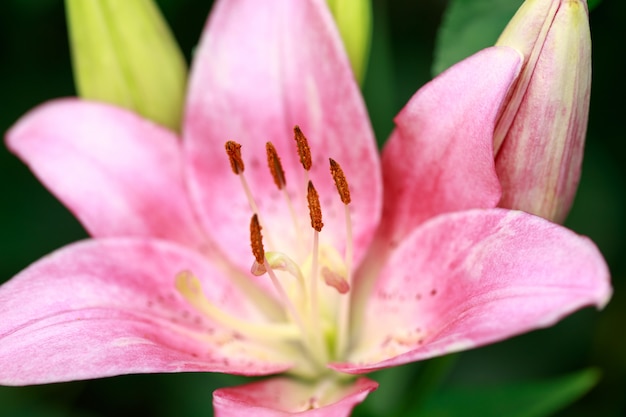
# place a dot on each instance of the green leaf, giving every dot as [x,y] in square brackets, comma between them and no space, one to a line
[469,26]
[529,399]
[124,53]
[593,4]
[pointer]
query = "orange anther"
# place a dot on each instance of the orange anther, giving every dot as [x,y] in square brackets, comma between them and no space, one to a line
[315,209]
[340,181]
[276,168]
[233,149]
[256,240]
[303,148]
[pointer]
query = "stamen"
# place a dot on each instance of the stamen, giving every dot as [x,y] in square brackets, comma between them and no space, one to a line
[314,310]
[233,149]
[315,209]
[344,304]
[276,168]
[256,240]
[340,181]
[303,148]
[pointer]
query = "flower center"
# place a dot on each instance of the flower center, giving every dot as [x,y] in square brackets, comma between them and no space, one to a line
[311,280]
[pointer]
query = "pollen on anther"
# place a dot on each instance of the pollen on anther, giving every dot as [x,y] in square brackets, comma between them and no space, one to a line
[340,181]
[276,168]
[303,148]
[256,240]
[233,149]
[315,209]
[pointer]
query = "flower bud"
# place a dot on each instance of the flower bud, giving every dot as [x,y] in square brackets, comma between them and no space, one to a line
[124,53]
[539,138]
[354,20]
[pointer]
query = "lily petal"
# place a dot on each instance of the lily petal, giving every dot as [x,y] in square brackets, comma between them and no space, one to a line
[252,84]
[119,174]
[108,307]
[440,156]
[467,279]
[283,397]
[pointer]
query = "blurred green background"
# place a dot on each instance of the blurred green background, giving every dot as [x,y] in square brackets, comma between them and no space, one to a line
[35,67]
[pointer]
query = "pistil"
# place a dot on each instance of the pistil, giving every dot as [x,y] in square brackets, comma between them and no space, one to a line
[256,242]
[281,262]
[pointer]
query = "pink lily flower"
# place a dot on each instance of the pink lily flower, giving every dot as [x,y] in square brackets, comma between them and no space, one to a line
[380,279]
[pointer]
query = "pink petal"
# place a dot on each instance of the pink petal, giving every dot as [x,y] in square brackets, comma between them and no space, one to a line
[108,307]
[258,72]
[471,278]
[282,397]
[119,174]
[440,157]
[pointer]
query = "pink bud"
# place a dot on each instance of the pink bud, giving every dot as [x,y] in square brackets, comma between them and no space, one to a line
[539,138]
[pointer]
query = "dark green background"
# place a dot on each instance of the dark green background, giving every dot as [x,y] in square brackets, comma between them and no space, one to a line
[35,67]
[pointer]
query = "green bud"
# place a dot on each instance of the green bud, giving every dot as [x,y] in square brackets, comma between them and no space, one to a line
[354,20]
[124,53]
